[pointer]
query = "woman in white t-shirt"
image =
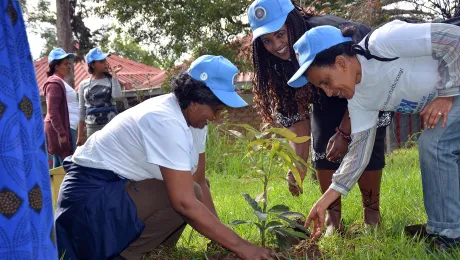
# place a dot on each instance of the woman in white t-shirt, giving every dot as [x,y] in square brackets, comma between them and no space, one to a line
[408,68]
[62,107]
[136,183]
[74,112]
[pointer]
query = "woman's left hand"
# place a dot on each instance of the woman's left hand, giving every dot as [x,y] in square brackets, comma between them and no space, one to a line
[116,69]
[337,147]
[440,107]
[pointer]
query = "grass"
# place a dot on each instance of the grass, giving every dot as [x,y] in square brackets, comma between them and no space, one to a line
[401,204]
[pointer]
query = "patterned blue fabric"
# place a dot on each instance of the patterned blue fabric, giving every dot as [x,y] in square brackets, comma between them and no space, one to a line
[26,211]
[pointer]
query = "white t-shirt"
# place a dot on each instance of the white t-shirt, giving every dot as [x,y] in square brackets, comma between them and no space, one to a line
[139,140]
[72,104]
[405,85]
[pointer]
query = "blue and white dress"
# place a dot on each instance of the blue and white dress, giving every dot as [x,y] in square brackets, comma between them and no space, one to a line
[26,211]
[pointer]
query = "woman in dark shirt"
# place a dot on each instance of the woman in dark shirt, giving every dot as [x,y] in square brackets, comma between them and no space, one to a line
[276,25]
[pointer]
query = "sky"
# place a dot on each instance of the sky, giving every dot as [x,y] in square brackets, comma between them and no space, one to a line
[36,42]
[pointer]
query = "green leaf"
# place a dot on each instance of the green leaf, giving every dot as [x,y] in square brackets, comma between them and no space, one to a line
[261,216]
[293,223]
[239,222]
[300,139]
[250,136]
[239,135]
[254,205]
[261,135]
[273,224]
[278,209]
[262,173]
[285,157]
[275,148]
[292,154]
[247,127]
[258,142]
[296,174]
[290,232]
[283,132]
[261,229]
[293,215]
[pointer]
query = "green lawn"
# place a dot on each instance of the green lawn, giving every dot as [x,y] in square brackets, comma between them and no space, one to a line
[401,205]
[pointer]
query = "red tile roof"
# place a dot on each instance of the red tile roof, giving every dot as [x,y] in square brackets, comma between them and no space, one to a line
[134,75]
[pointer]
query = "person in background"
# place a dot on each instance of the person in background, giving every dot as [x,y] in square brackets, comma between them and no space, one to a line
[96,93]
[26,211]
[62,110]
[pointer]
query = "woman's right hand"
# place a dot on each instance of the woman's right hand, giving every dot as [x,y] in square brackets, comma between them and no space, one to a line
[253,252]
[62,141]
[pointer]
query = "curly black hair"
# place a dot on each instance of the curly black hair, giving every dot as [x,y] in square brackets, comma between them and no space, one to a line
[271,92]
[188,90]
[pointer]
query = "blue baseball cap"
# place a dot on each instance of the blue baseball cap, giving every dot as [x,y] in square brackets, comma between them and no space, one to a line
[58,54]
[220,76]
[96,54]
[309,45]
[267,16]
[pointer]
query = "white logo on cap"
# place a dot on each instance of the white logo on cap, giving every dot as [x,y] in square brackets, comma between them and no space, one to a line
[235,79]
[204,76]
[260,13]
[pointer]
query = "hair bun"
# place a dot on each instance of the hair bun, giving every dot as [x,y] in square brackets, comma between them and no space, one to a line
[348,29]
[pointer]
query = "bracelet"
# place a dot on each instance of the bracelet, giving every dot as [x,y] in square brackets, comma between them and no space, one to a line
[342,134]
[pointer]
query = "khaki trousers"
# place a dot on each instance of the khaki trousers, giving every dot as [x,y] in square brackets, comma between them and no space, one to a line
[163,225]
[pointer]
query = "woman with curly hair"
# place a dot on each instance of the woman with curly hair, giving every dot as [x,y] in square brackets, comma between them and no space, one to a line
[136,183]
[276,25]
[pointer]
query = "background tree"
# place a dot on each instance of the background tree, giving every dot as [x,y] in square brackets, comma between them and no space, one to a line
[179,27]
[441,9]
[128,48]
[44,22]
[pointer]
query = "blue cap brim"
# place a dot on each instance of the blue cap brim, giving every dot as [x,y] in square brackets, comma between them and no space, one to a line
[229,98]
[270,27]
[299,79]
[63,56]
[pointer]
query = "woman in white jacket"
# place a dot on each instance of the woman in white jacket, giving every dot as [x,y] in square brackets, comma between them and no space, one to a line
[408,68]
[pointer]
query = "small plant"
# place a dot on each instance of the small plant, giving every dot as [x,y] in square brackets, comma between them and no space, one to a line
[268,151]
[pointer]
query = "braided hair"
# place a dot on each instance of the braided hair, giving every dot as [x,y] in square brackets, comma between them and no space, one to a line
[271,74]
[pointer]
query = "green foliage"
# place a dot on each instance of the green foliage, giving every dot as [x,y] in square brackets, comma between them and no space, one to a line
[182,26]
[266,150]
[401,204]
[338,8]
[51,41]
[127,47]
[42,21]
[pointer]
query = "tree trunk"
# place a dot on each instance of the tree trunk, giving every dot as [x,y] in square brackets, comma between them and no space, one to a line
[64,33]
